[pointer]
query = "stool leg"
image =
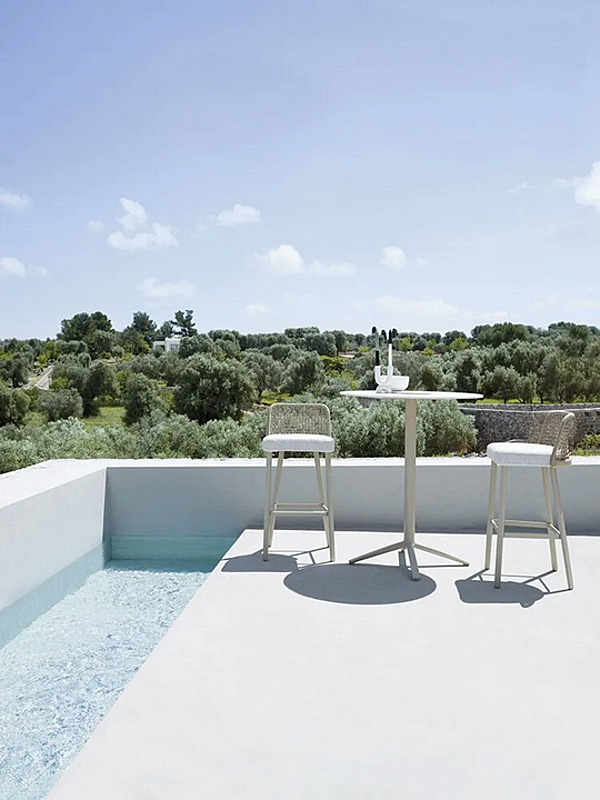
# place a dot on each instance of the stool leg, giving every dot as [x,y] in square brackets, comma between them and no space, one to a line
[275,499]
[322,498]
[329,500]
[562,528]
[549,518]
[489,530]
[501,525]
[267,515]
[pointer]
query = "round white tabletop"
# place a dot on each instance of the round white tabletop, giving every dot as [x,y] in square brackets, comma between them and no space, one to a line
[372,394]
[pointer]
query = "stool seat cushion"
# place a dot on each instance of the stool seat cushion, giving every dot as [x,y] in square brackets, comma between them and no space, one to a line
[298,443]
[520,454]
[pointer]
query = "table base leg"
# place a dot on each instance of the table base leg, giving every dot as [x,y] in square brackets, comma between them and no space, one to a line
[442,554]
[410,548]
[402,546]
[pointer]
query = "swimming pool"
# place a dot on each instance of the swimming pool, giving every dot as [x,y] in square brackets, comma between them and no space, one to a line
[60,675]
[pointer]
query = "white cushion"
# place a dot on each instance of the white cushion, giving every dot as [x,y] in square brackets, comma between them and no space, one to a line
[298,443]
[520,454]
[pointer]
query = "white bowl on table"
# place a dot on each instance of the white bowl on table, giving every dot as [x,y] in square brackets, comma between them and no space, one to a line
[392,383]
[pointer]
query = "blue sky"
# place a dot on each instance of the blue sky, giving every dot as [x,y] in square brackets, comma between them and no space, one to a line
[418,164]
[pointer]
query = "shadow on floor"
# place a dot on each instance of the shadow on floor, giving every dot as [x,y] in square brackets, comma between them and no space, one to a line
[476,590]
[253,563]
[361,584]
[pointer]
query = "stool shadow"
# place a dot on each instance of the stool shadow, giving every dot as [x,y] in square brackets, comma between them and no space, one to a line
[253,562]
[476,590]
[366,584]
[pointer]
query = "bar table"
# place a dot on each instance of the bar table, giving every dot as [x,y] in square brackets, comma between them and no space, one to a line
[411,400]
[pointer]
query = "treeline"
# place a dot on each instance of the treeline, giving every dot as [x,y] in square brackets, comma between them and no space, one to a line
[226,377]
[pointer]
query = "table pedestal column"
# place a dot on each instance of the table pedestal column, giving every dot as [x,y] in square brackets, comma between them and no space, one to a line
[408,544]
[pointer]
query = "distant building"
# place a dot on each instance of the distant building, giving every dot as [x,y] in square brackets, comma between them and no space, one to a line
[168,345]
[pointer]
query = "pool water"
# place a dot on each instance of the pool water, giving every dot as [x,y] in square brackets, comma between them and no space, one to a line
[60,675]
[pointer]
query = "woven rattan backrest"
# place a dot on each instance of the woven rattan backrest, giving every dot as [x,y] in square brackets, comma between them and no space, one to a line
[553,428]
[311,418]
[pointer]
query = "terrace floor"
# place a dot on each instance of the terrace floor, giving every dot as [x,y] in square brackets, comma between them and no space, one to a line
[295,681]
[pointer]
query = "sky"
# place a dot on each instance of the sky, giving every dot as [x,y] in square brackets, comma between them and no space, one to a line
[426,165]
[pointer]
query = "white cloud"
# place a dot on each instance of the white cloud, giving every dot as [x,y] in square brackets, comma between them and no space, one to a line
[299,299]
[340,270]
[135,218]
[41,271]
[94,226]
[428,307]
[433,313]
[135,214]
[567,184]
[286,260]
[520,187]
[588,191]
[160,236]
[12,266]
[393,257]
[152,287]
[283,260]
[18,202]
[590,305]
[256,309]
[547,302]
[238,215]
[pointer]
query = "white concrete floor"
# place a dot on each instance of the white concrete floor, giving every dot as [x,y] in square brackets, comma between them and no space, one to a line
[290,681]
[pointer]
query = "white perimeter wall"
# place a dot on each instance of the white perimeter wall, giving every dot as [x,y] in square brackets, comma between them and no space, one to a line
[221,498]
[55,514]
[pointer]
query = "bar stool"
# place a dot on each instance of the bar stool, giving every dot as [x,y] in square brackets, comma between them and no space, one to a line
[547,448]
[298,428]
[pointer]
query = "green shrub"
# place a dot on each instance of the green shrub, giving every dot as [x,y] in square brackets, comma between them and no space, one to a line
[14,404]
[61,404]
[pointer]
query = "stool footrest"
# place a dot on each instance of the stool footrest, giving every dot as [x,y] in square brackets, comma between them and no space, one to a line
[522,523]
[300,508]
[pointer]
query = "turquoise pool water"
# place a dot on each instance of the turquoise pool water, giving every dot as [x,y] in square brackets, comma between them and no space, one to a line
[60,675]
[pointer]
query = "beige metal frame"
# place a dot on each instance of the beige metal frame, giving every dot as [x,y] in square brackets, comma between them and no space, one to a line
[274,509]
[552,428]
[302,418]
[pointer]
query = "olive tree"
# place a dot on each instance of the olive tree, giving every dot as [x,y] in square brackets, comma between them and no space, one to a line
[303,372]
[208,389]
[140,396]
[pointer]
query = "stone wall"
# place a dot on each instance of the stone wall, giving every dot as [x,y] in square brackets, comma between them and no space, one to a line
[500,422]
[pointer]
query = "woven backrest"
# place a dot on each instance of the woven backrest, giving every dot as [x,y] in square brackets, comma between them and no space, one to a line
[553,428]
[311,418]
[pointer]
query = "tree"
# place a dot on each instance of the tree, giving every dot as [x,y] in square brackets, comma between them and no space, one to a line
[198,343]
[165,331]
[467,369]
[265,370]
[304,371]
[210,389]
[140,397]
[502,382]
[14,404]
[321,343]
[16,368]
[95,330]
[342,340]
[91,382]
[432,375]
[182,324]
[82,325]
[61,404]
[138,336]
